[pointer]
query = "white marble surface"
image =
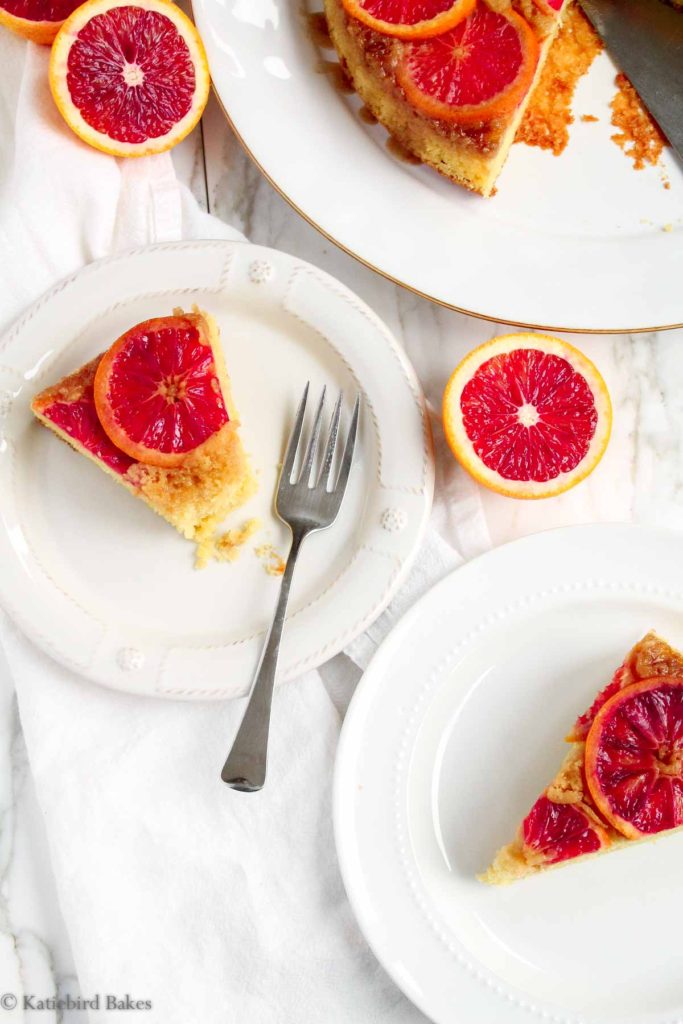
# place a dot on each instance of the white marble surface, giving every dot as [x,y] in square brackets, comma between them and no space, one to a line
[640,478]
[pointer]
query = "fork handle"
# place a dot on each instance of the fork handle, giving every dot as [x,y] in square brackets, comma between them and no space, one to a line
[245,767]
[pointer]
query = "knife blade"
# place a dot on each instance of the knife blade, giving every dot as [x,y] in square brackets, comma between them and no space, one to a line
[645,38]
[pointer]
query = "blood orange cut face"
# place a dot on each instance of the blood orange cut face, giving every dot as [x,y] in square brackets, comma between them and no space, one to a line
[158,391]
[527,415]
[118,65]
[554,832]
[409,19]
[634,758]
[130,79]
[39,20]
[478,70]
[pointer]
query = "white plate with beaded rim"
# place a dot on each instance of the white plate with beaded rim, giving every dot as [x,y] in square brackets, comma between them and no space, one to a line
[106,586]
[580,242]
[453,732]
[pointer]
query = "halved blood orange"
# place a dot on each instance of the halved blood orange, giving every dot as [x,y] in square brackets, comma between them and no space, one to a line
[527,415]
[158,389]
[39,20]
[634,758]
[479,70]
[129,77]
[553,832]
[410,19]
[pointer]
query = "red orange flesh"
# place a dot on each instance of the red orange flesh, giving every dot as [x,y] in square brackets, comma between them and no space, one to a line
[409,19]
[479,70]
[38,20]
[553,832]
[634,758]
[157,390]
[130,79]
[527,415]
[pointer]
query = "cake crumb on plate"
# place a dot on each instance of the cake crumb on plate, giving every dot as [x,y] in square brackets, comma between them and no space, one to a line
[224,547]
[548,116]
[639,136]
[272,561]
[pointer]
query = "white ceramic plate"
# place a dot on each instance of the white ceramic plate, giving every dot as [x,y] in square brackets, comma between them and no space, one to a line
[574,243]
[106,586]
[455,729]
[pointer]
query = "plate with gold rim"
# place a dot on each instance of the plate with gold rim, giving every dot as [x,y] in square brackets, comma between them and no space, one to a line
[580,242]
[454,730]
[108,588]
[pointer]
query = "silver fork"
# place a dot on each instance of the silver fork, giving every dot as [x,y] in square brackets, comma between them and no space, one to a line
[307,505]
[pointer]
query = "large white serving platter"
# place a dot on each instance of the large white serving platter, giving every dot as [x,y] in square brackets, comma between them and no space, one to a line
[455,729]
[107,587]
[578,242]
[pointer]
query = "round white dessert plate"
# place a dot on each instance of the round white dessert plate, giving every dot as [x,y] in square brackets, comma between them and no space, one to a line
[580,242]
[107,587]
[456,728]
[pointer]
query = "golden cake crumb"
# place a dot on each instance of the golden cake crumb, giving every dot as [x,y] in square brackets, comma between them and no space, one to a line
[548,116]
[224,547]
[668,227]
[639,136]
[272,562]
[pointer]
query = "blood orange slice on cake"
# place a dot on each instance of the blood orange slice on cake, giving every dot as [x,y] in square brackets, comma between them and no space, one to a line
[158,391]
[479,70]
[651,657]
[634,758]
[553,832]
[409,19]
[130,78]
[527,415]
[38,20]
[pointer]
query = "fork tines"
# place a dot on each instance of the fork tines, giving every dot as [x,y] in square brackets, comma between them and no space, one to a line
[307,475]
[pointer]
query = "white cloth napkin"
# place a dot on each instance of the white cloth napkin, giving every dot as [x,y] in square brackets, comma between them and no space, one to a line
[212,906]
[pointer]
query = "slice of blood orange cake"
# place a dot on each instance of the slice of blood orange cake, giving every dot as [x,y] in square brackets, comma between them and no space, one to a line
[155,412]
[622,779]
[449,79]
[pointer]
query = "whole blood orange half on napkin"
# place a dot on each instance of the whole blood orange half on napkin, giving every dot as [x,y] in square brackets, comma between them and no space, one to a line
[158,394]
[527,415]
[129,78]
[409,19]
[38,20]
